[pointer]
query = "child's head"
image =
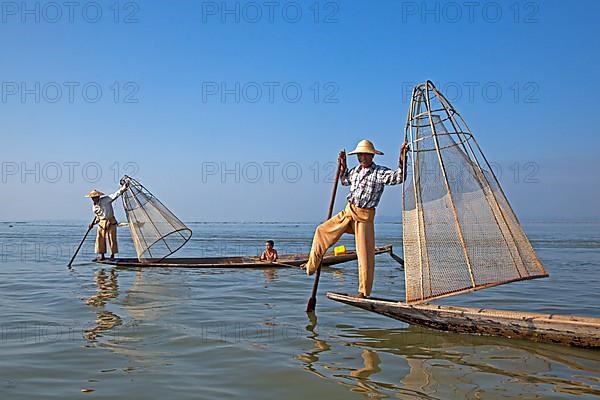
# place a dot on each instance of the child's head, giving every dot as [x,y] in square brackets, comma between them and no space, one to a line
[269,244]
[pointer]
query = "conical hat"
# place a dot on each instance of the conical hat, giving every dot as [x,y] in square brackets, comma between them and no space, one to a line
[365,146]
[94,193]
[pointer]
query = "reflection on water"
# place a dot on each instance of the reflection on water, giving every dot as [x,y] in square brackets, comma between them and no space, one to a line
[270,275]
[371,362]
[371,365]
[107,288]
[359,377]
[421,363]
[154,295]
[418,378]
[123,333]
[311,357]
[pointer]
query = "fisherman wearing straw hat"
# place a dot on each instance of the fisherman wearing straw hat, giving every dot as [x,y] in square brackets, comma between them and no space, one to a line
[105,218]
[367,181]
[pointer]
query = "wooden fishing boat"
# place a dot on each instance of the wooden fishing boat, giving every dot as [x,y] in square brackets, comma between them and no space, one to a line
[551,328]
[460,234]
[284,261]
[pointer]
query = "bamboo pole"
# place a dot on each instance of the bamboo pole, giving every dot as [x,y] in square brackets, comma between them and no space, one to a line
[414,175]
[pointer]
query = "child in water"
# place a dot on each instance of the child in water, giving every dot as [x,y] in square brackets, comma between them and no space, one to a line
[270,254]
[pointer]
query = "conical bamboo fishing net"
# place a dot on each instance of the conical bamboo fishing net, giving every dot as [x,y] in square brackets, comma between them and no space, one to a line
[460,233]
[156,231]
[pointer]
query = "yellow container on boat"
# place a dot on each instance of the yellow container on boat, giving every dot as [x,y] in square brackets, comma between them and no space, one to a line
[339,250]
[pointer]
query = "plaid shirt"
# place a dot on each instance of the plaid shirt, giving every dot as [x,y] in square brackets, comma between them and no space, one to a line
[366,184]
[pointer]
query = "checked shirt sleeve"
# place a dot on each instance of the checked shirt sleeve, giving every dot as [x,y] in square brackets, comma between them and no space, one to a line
[387,176]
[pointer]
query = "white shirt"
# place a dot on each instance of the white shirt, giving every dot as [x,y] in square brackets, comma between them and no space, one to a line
[104,208]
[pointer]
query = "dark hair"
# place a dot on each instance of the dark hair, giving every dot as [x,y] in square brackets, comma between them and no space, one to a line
[272,243]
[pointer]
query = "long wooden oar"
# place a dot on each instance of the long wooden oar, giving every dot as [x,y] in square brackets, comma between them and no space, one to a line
[90,226]
[312,301]
[398,259]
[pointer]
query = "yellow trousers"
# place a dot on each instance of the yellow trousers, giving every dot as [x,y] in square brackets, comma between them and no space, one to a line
[354,220]
[107,229]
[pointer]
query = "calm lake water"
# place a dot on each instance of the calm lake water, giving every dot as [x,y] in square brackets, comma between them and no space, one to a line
[97,332]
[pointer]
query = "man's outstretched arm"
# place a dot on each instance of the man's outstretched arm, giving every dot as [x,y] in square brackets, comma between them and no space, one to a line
[395,177]
[124,185]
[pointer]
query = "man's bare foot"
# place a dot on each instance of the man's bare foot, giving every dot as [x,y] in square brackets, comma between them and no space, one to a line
[308,272]
[359,296]
[112,257]
[100,257]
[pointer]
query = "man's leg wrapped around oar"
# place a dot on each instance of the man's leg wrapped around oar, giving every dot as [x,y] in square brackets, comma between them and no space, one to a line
[355,220]
[326,235]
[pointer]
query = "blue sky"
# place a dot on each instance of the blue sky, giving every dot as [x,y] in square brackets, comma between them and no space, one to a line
[522,74]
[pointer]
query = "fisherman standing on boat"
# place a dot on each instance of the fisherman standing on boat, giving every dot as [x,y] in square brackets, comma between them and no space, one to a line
[105,218]
[367,181]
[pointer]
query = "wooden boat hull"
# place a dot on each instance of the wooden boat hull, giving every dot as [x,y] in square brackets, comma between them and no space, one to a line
[284,261]
[549,328]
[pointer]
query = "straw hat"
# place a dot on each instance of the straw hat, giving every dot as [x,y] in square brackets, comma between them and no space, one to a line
[365,146]
[94,193]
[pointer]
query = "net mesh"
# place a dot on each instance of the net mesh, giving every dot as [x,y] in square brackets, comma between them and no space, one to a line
[156,231]
[459,231]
